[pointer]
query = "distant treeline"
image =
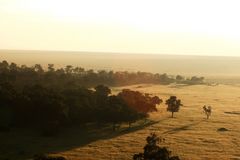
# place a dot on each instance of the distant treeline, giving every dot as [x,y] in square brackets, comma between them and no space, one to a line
[76,76]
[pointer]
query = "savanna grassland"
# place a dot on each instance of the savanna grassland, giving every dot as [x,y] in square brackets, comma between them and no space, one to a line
[189,134]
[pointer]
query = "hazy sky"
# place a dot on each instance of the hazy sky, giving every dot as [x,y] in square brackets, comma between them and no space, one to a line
[201,27]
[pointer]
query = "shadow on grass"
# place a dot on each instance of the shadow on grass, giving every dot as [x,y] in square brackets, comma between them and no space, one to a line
[233,112]
[182,128]
[22,144]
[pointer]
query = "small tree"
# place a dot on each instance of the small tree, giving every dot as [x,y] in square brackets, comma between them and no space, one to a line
[154,152]
[102,90]
[173,104]
[207,110]
[179,78]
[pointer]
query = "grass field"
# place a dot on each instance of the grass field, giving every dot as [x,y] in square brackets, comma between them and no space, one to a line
[189,134]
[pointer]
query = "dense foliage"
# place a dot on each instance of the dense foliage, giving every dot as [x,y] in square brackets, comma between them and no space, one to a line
[143,103]
[51,108]
[154,152]
[76,76]
[48,99]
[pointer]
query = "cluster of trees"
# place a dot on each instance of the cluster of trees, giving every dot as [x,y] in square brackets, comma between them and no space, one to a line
[51,108]
[78,76]
[143,103]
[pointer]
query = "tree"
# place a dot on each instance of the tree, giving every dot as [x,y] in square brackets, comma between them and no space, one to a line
[38,68]
[4,66]
[179,78]
[13,67]
[40,106]
[69,69]
[152,151]
[142,103]
[165,79]
[173,104]
[102,90]
[81,105]
[119,111]
[51,68]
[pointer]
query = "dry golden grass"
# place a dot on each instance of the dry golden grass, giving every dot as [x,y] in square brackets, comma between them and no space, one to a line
[189,135]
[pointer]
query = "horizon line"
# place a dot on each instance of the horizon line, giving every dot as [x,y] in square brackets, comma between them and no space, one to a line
[115,52]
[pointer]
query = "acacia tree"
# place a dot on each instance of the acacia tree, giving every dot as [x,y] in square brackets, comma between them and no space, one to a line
[173,104]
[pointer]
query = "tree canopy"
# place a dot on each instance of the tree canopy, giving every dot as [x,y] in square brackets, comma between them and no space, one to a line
[173,104]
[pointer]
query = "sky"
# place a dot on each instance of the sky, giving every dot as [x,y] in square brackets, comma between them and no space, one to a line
[188,27]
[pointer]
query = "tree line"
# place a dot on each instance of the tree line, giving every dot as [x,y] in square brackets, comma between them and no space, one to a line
[77,76]
[48,99]
[49,109]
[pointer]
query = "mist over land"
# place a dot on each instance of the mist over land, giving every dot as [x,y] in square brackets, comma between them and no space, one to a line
[214,68]
[67,109]
[119,80]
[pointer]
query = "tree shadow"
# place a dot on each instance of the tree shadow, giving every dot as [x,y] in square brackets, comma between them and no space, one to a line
[182,128]
[23,144]
[233,112]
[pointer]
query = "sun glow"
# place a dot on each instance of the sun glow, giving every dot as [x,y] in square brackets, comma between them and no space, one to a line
[186,21]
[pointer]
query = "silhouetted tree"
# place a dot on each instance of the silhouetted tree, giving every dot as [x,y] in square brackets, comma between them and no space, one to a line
[173,104]
[142,103]
[38,68]
[154,152]
[179,78]
[69,69]
[51,68]
[102,90]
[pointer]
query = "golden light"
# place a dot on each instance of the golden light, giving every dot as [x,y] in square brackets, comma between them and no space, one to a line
[151,25]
